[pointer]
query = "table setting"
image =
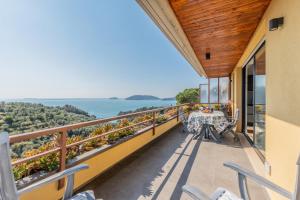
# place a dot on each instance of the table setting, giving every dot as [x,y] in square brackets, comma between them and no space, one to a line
[205,122]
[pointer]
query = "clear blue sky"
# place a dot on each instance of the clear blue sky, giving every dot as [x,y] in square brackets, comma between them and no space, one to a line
[95,48]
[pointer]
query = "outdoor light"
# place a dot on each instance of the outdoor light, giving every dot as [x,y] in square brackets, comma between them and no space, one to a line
[207,55]
[275,23]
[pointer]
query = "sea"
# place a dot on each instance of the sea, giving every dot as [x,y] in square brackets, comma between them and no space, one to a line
[101,108]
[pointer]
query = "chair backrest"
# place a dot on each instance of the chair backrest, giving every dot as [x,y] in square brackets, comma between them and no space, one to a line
[224,110]
[8,190]
[181,114]
[296,195]
[236,116]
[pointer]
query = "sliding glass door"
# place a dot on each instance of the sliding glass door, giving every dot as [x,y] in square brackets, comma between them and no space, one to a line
[260,99]
[249,99]
[254,99]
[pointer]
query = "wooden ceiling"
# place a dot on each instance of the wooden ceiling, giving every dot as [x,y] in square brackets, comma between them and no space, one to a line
[222,28]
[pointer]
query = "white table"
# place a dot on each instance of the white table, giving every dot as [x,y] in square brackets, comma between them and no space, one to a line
[204,124]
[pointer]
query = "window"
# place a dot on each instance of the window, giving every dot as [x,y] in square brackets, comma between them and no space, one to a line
[224,89]
[216,91]
[213,90]
[204,93]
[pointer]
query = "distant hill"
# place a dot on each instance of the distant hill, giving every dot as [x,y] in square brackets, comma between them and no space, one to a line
[114,98]
[142,97]
[169,99]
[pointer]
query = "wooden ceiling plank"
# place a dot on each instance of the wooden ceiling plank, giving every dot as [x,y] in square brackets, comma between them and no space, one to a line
[222,27]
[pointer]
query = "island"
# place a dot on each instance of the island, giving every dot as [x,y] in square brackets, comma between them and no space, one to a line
[142,97]
[114,98]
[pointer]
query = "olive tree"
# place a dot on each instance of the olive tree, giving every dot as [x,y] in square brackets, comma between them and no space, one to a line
[190,95]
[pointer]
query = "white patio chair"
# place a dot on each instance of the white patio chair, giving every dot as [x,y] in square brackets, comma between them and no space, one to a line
[243,174]
[229,126]
[8,190]
[224,110]
[184,119]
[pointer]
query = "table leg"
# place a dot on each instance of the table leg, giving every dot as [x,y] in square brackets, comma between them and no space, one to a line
[201,133]
[206,131]
[213,133]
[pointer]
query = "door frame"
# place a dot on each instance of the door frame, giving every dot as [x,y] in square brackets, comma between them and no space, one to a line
[244,103]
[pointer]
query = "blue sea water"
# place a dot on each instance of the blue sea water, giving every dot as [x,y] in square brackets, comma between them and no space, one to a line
[101,108]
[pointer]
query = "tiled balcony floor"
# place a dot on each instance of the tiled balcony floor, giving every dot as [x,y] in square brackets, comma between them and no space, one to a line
[161,169]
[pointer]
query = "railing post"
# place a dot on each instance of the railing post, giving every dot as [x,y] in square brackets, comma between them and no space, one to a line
[177,113]
[62,157]
[154,122]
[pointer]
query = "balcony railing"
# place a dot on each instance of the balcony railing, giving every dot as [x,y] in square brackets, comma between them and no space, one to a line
[60,150]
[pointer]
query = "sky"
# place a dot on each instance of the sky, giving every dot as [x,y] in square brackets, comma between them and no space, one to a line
[86,49]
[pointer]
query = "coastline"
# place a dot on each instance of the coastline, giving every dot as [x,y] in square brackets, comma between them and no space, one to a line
[100,107]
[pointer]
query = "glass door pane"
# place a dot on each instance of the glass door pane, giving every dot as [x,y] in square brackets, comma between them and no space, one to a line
[249,118]
[213,90]
[260,99]
[204,93]
[224,90]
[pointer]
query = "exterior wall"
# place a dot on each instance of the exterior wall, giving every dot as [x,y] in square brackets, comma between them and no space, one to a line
[102,162]
[236,77]
[282,90]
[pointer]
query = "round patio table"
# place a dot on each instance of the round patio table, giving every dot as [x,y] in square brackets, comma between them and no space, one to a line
[204,124]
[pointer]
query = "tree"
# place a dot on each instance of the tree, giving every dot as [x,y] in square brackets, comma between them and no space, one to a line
[190,95]
[8,120]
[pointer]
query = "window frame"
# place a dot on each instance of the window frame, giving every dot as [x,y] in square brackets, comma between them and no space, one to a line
[208,86]
[252,56]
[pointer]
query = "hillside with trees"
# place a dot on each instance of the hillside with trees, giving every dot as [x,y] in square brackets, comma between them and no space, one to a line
[26,117]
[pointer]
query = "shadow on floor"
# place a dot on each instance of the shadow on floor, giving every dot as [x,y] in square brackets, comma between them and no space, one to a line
[183,178]
[133,178]
[159,170]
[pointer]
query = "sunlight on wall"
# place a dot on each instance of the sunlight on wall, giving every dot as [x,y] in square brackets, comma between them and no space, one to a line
[283,108]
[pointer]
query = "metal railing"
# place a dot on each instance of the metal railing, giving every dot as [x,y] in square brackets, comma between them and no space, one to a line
[63,147]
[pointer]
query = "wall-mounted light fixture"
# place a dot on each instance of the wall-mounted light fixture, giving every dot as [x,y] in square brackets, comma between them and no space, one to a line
[207,55]
[275,23]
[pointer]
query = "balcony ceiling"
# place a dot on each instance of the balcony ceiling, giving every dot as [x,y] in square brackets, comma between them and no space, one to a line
[221,27]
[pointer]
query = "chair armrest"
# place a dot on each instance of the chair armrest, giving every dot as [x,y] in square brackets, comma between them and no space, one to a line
[195,193]
[68,172]
[230,119]
[258,179]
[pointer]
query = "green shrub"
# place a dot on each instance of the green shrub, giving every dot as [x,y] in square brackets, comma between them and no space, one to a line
[8,120]
[161,118]
[190,95]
